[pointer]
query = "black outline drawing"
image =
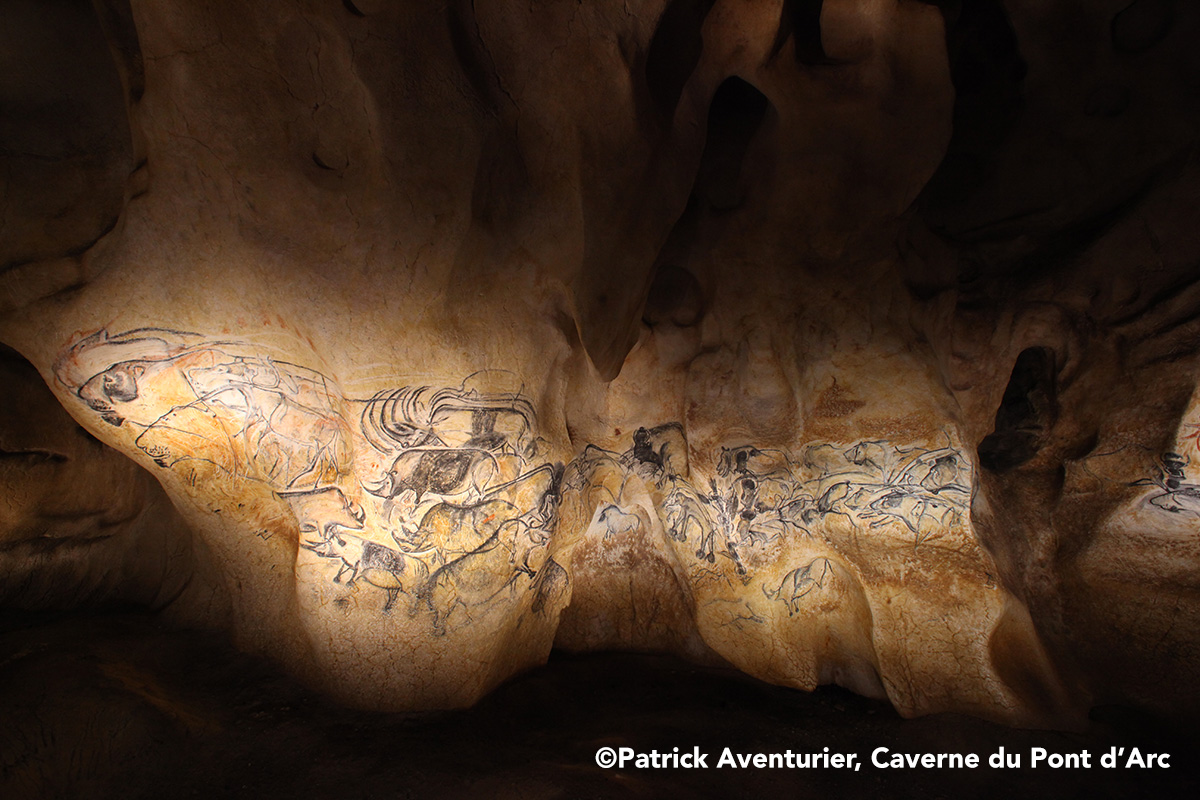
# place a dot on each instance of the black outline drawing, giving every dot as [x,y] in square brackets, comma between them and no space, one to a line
[1175,494]
[461,485]
[466,496]
[378,565]
[797,584]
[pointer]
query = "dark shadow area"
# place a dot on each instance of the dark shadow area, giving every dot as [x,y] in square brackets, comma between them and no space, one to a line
[800,21]
[1026,413]
[65,143]
[116,21]
[1141,25]
[988,73]
[734,117]
[116,705]
[674,52]
[675,297]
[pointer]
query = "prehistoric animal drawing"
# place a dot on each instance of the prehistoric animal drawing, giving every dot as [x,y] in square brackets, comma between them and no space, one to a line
[1183,499]
[594,479]
[461,483]
[923,490]
[250,415]
[741,617]
[1175,494]
[371,562]
[657,453]
[459,479]
[687,518]
[617,522]
[103,369]
[874,456]
[527,544]
[191,432]
[825,459]
[470,579]
[453,473]
[919,513]
[454,530]
[749,460]
[763,500]
[324,512]
[284,415]
[798,583]
[943,474]
[119,383]
[412,416]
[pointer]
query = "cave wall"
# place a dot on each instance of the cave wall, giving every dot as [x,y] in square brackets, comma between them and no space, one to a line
[848,341]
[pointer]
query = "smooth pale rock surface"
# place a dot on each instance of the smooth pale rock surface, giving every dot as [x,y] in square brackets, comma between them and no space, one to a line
[718,328]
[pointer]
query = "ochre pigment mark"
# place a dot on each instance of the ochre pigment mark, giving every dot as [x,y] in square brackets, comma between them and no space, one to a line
[836,402]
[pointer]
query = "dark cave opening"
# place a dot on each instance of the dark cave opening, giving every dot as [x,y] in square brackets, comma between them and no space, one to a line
[1026,413]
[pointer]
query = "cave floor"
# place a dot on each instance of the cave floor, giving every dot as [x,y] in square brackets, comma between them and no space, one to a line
[117,705]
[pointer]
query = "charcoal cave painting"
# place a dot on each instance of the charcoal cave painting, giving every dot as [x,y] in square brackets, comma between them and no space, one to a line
[419,491]
[837,342]
[1174,492]
[443,504]
[760,500]
[1169,494]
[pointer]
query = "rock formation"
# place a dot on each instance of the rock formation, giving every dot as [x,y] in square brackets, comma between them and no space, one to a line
[850,341]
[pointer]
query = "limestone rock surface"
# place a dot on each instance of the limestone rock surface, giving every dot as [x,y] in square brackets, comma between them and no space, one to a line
[842,342]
